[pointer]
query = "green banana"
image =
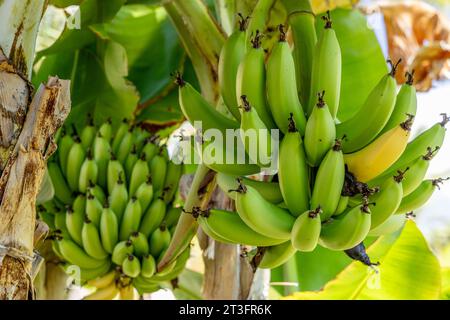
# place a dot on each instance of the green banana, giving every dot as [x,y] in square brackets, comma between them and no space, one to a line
[158,168]
[97,192]
[326,69]
[420,196]
[118,198]
[48,218]
[347,230]
[88,134]
[342,205]
[64,146]
[387,200]
[258,144]
[173,271]
[145,193]
[109,229]
[131,266]
[88,274]
[131,160]
[153,217]
[302,23]
[261,215]
[140,244]
[105,130]
[196,109]
[60,223]
[139,174]
[159,240]
[405,103]
[76,156]
[92,243]
[148,266]
[173,175]
[79,204]
[76,255]
[121,251]
[231,55]
[125,146]
[361,130]
[251,81]
[320,132]
[269,190]
[93,209]
[102,155]
[329,182]
[131,219]
[74,224]
[258,18]
[391,225]
[228,225]
[417,171]
[282,93]
[277,255]
[140,137]
[114,171]
[306,230]
[172,216]
[118,137]
[293,171]
[221,161]
[88,172]
[150,150]
[62,190]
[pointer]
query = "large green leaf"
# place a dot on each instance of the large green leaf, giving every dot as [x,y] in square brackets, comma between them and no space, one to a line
[363,63]
[151,44]
[189,286]
[408,270]
[91,12]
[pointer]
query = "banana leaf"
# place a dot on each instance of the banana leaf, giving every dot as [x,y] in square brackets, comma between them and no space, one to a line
[408,270]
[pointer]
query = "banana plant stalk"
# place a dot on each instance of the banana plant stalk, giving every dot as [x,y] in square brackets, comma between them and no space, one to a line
[28,127]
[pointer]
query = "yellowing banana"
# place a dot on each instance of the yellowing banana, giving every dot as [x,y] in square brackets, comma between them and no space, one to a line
[374,159]
[361,129]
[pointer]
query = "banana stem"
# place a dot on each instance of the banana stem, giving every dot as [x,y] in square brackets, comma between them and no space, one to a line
[187,225]
[202,38]
[226,11]
[293,6]
[290,275]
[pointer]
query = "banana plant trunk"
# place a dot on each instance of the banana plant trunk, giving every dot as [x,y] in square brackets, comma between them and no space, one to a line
[28,123]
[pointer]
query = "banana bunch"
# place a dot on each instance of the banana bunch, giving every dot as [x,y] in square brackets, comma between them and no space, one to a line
[337,181]
[113,214]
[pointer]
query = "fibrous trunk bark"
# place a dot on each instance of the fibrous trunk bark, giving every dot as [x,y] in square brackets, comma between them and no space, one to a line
[27,126]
